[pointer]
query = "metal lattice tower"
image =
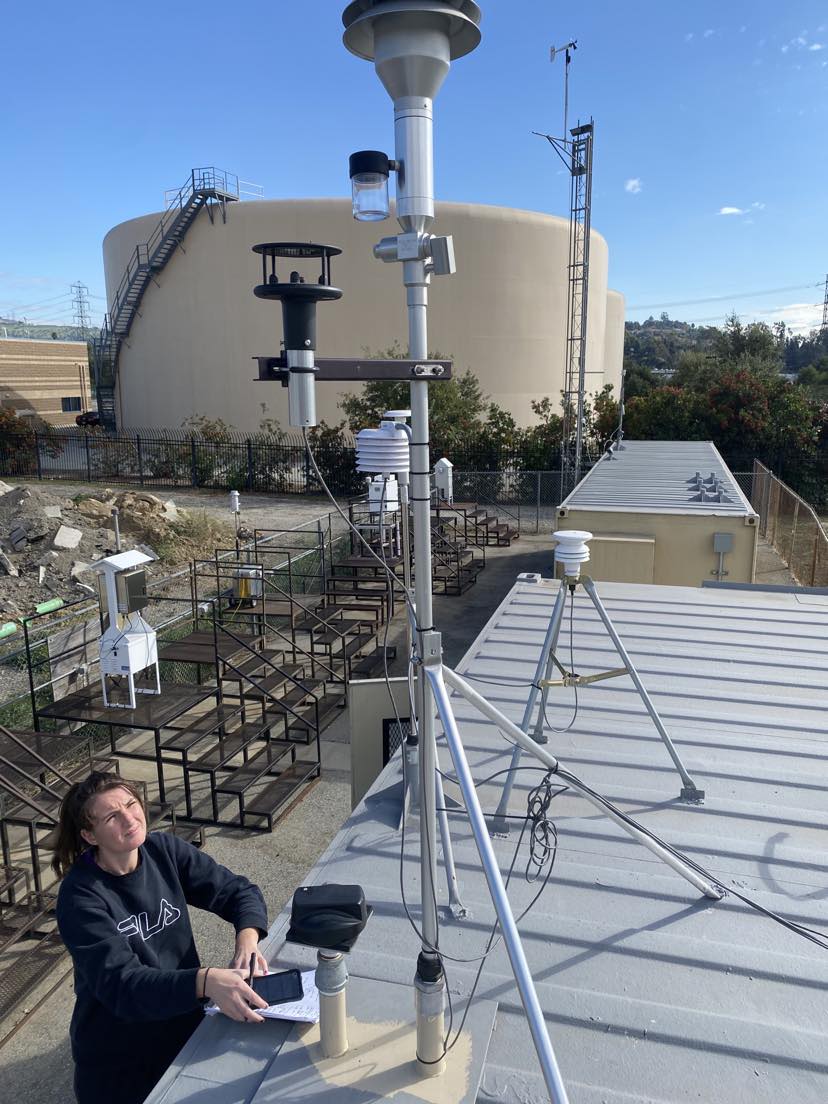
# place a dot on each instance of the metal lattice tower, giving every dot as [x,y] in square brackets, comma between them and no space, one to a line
[580,206]
[825,307]
[80,304]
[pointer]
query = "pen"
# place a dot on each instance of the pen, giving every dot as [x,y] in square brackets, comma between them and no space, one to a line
[252,968]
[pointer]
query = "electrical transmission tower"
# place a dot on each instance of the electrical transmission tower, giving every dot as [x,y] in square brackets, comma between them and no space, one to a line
[825,307]
[80,304]
[575,150]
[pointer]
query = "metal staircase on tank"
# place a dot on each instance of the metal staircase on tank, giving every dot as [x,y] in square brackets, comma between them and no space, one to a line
[206,187]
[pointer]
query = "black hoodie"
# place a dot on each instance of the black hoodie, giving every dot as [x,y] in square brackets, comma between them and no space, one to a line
[132,944]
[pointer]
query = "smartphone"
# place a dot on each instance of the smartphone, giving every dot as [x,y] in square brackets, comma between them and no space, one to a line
[279,988]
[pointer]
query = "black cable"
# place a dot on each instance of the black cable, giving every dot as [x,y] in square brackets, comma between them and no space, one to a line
[811,934]
[537,806]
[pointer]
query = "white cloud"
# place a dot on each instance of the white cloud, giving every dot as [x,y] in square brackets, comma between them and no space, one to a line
[743,28]
[633,185]
[755,206]
[709,32]
[688,37]
[798,317]
[801,43]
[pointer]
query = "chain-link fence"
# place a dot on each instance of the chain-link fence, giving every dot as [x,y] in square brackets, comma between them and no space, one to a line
[523,499]
[171,459]
[790,525]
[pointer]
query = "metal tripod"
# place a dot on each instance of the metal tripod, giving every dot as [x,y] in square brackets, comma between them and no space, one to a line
[542,681]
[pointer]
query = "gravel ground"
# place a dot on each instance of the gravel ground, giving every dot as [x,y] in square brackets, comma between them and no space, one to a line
[258,510]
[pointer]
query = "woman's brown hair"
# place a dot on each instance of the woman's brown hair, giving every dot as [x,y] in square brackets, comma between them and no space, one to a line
[74,816]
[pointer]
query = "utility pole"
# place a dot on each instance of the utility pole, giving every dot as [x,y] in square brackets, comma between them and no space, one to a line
[80,303]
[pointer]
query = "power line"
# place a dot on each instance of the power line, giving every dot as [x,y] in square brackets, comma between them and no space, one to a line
[723,298]
[40,302]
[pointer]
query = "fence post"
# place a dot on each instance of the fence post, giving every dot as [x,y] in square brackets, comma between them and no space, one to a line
[193,463]
[537,501]
[140,459]
[37,455]
[814,561]
[249,464]
[766,504]
[88,459]
[793,538]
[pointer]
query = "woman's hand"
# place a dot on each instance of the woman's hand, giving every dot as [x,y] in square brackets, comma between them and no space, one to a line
[247,944]
[232,994]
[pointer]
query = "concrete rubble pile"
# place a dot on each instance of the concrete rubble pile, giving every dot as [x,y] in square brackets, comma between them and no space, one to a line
[48,542]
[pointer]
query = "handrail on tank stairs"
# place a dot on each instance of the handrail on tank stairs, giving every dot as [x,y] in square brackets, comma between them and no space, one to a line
[203,187]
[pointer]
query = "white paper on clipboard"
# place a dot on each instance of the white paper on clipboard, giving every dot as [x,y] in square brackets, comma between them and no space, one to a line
[304,1010]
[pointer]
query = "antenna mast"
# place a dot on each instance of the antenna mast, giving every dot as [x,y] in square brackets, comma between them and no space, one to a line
[567,50]
[575,150]
[824,325]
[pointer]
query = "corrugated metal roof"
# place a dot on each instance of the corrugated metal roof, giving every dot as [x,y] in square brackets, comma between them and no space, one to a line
[661,476]
[651,993]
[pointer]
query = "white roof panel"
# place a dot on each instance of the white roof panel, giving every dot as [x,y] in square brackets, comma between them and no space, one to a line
[663,477]
[651,993]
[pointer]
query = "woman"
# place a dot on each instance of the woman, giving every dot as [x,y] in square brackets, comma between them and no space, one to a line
[122,913]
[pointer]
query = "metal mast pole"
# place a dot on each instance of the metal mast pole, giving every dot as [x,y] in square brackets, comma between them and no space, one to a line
[412,47]
[825,307]
[580,168]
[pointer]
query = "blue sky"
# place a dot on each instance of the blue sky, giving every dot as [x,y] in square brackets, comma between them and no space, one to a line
[710,149]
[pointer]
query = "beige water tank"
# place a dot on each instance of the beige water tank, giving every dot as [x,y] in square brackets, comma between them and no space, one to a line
[503,314]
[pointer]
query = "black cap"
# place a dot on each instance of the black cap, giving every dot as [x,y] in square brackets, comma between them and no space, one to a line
[368,161]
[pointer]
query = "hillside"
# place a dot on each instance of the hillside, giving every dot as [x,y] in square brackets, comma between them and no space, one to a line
[10,328]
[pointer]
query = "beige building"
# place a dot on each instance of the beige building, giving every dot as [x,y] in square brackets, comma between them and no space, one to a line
[668,512]
[48,380]
[503,314]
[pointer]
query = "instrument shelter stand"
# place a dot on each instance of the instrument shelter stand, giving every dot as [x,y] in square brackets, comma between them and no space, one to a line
[542,681]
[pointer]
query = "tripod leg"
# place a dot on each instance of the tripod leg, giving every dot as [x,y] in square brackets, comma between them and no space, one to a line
[498,822]
[456,907]
[500,900]
[690,791]
[510,729]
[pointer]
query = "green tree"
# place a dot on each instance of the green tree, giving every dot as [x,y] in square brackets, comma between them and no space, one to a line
[666,414]
[603,417]
[457,407]
[754,345]
[541,443]
[639,379]
[696,371]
